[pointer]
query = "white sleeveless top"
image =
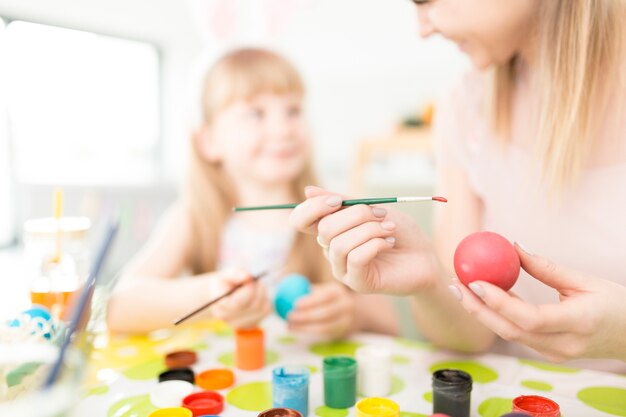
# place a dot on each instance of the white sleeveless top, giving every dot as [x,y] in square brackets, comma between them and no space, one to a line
[585,230]
[255,251]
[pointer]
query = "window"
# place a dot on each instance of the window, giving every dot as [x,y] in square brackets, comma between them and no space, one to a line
[82,108]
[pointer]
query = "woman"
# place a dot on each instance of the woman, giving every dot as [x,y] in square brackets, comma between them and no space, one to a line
[531,145]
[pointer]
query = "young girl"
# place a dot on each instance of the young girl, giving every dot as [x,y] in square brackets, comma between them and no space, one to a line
[253,148]
[534,149]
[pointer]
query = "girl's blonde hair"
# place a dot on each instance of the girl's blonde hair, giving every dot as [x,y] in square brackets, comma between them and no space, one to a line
[580,52]
[209,192]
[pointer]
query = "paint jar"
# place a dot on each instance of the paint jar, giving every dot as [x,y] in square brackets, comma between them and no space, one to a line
[249,349]
[340,381]
[536,406]
[451,392]
[290,388]
[374,376]
[280,412]
[377,407]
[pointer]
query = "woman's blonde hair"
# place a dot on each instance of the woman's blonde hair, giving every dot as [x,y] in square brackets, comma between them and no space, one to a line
[580,52]
[241,75]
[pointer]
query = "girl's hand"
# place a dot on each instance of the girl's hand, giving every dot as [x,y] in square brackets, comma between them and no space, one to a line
[246,307]
[370,248]
[328,310]
[589,321]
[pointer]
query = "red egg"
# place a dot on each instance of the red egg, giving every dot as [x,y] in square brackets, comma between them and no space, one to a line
[487,256]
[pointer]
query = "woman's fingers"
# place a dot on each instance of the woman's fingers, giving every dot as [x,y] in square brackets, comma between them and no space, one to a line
[342,245]
[308,213]
[347,219]
[551,274]
[475,307]
[358,262]
[546,318]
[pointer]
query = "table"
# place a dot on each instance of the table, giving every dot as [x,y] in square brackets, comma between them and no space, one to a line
[122,373]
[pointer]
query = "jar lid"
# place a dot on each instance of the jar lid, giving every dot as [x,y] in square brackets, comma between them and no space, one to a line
[170,393]
[179,374]
[180,359]
[171,412]
[377,407]
[280,412]
[205,402]
[536,406]
[213,379]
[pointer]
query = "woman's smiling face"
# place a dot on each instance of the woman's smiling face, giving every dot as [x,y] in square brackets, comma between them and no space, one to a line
[488,31]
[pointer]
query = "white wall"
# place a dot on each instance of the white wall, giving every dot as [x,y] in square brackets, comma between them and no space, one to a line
[362,59]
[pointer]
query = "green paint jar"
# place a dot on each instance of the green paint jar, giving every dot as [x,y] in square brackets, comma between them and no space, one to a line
[340,381]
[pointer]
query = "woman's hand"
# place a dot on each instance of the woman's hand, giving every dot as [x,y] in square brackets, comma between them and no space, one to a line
[370,249]
[329,310]
[588,322]
[246,307]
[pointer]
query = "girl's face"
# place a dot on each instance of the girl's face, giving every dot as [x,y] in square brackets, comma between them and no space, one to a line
[488,31]
[264,140]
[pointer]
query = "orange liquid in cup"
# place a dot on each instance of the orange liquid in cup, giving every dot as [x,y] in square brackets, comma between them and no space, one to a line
[56,302]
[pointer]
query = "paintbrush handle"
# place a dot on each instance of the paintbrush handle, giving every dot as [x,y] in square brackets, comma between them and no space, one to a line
[221,297]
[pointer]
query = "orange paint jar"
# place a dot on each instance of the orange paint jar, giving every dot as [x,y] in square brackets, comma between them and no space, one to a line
[249,349]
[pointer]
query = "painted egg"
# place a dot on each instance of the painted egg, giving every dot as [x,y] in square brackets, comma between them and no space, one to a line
[290,289]
[487,256]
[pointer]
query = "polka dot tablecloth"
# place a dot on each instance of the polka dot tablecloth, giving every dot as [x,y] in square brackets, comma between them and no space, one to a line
[123,372]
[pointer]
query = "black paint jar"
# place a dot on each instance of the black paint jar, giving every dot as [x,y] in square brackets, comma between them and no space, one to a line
[451,392]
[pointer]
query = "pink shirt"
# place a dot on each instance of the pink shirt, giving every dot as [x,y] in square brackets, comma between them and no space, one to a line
[585,230]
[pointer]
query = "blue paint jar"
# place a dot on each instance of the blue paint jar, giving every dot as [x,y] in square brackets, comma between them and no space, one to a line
[290,388]
[290,289]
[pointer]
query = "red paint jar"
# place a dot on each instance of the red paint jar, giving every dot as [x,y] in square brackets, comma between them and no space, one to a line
[536,406]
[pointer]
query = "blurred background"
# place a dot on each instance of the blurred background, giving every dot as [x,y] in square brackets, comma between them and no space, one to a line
[99,97]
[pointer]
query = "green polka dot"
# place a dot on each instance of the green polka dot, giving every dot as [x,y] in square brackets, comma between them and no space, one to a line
[97,390]
[336,348]
[479,372]
[401,359]
[409,414]
[16,375]
[255,396]
[414,344]
[199,346]
[287,340]
[548,366]
[146,370]
[428,396]
[225,332]
[611,400]
[495,407]
[537,385]
[397,385]
[228,359]
[324,411]
[138,406]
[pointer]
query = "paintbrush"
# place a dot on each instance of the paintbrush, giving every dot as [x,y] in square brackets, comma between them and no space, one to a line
[367,201]
[215,300]
[81,307]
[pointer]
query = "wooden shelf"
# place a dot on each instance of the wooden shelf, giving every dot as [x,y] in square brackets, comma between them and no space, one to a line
[413,140]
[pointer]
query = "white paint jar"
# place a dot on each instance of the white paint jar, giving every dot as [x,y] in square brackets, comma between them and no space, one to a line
[374,375]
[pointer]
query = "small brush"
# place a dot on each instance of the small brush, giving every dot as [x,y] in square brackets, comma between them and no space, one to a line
[215,300]
[354,202]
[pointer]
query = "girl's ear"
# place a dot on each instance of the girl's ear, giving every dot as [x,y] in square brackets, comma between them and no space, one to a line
[206,144]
